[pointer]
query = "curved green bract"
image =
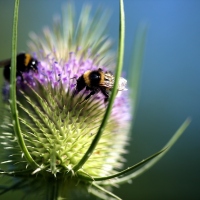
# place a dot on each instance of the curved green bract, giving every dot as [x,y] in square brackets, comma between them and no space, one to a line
[114,90]
[151,163]
[13,102]
[126,170]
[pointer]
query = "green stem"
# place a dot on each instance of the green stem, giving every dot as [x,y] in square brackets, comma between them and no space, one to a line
[13,102]
[168,146]
[126,170]
[114,91]
[59,189]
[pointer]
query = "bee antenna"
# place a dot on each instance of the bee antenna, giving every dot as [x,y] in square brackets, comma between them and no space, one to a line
[100,69]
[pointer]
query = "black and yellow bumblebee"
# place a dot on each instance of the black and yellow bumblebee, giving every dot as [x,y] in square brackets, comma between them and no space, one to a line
[25,63]
[98,81]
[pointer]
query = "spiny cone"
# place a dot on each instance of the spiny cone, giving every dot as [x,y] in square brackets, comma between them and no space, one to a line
[56,127]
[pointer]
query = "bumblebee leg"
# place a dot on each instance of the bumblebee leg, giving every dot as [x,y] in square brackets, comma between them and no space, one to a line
[88,96]
[21,75]
[79,86]
[106,94]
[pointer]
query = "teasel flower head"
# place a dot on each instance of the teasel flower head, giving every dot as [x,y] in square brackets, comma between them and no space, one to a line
[58,125]
[56,142]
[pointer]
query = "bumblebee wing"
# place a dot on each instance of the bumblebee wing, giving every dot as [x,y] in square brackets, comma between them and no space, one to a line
[107,84]
[4,63]
[108,80]
[110,83]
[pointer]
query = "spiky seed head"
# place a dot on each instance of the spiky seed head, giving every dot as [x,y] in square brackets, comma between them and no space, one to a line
[56,128]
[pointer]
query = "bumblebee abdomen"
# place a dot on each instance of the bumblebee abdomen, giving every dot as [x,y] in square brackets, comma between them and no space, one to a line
[21,61]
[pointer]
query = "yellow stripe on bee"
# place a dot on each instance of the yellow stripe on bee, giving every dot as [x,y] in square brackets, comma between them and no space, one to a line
[86,77]
[27,59]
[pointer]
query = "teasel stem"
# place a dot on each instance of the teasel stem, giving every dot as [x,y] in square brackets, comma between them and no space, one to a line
[13,101]
[58,191]
[114,90]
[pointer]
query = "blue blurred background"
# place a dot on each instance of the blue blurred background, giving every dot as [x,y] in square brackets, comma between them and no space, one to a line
[169,92]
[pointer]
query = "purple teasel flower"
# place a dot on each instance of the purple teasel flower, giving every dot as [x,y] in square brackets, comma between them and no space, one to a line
[57,124]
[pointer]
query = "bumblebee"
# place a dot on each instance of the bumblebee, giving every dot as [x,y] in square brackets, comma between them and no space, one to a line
[25,63]
[98,81]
